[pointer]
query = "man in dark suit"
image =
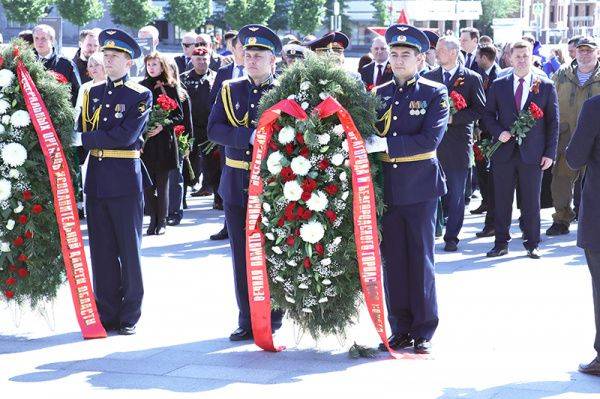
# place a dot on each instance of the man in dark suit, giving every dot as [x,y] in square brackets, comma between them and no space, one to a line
[508,96]
[378,71]
[232,124]
[489,70]
[584,151]
[88,45]
[454,150]
[469,40]
[188,44]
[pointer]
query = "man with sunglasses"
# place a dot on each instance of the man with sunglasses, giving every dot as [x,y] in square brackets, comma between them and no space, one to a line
[188,44]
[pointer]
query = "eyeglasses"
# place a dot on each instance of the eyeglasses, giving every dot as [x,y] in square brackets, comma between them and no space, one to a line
[201,44]
[188,45]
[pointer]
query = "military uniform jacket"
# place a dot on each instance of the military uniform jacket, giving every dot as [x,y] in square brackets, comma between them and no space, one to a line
[231,122]
[500,113]
[455,148]
[413,120]
[114,116]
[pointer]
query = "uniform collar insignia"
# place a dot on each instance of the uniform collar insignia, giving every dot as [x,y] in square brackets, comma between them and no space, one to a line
[386,98]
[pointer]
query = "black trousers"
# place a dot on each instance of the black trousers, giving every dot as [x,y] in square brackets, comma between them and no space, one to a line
[485,179]
[157,197]
[593,261]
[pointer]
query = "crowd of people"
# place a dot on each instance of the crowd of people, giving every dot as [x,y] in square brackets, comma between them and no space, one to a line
[448,100]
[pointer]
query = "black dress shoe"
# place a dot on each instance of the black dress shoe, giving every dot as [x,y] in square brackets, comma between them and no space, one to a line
[534,253]
[110,326]
[557,229]
[482,209]
[201,193]
[151,230]
[221,235]
[218,206]
[497,251]
[592,368]
[486,232]
[422,346]
[397,341]
[174,221]
[241,334]
[161,228]
[451,247]
[127,330]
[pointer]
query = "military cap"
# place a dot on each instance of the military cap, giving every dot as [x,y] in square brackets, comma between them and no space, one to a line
[587,41]
[115,39]
[293,50]
[433,38]
[259,37]
[406,36]
[332,40]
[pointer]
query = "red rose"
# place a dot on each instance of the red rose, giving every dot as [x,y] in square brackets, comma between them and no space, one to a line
[536,112]
[289,212]
[324,164]
[27,195]
[300,138]
[11,281]
[309,184]
[304,152]
[28,234]
[479,157]
[23,272]
[16,51]
[273,145]
[331,189]
[330,215]
[18,241]
[305,196]
[166,103]
[22,219]
[290,241]
[280,222]
[319,248]
[23,258]
[458,100]
[179,130]
[307,263]
[12,268]
[370,86]
[306,214]
[37,208]
[287,174]
[9,294]
[289,148]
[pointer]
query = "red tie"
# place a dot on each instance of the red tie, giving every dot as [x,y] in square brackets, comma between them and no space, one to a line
[519,94]
[379,73]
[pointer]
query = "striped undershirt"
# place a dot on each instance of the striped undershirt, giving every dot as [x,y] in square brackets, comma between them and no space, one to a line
[583,77]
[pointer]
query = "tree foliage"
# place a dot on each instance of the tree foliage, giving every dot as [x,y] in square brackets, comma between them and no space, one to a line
[495,9]
[189,14]
[133,13]
[281,17]
[80,12]
[307,15]
[25,11]
[239,13]
[381,14]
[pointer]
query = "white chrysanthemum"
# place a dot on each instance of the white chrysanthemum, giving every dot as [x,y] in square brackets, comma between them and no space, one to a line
[345,145]
[19,208]
[270,236]
[289,299]
[323,138]
[312,232]
[304,105]
[305,86]
[292,262]
[317,202]
[5,119]
[343,176]
[274,162]
[300,166]
[20,118]
[292,191]
[286,135]
[14,174]
[265,221]
[2,129]
[277,250]
[10,224]
[338,129]
[323,82]
[292,97]
[345,195]
[323,300]
[323,95]
[14,154]
[326,262]
[266,207]
[306,310]
[6,77]
[4,246]
[4,106]
[5,188]
[337,240]
[337,159]
[326,282]
[303,286]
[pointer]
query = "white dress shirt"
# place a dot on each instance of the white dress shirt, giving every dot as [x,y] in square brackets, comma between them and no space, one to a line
[452,72]
[526,87]
[375,71]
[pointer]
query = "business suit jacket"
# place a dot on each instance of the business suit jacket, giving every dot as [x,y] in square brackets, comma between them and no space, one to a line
[367,74]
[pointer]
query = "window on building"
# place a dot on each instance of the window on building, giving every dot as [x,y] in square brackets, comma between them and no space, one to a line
[576,13]
[552,19]
[587,10]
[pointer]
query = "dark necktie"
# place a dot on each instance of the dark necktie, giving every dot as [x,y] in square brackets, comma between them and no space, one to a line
[240,71]
[447,77]
[519,94]
[469,60]
[379,74]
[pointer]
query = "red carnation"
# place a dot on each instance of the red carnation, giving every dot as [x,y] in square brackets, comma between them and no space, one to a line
[331,189]
[22,219]
[458,100]
[309,184]
[179,130]
[324,164]
[28,234]
[9,294]
[305,196]
[23,272]
[27,195]
[289,148]
[12,268]
[166,103]
[273,145]
[330,215]
[319,248]
[307,263]
[280,222]
[11,281]
[16,51]
[300,138]
[18,241]
[22,258]
[37,208]
[289,212]
[304,152]
[290,241]
[59,77]
[287,174]
[536,111]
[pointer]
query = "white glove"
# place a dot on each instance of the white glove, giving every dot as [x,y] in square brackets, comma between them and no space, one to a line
[77,139]
[252,137]
[376,144]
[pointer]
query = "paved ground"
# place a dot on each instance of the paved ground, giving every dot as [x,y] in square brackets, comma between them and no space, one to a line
[510,328]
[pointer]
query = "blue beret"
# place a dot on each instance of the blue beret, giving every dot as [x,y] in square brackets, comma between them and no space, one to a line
[259,36]
[115,39]
[329,41]
[406,36]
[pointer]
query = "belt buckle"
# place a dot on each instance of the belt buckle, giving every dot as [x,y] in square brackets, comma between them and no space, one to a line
[100,154]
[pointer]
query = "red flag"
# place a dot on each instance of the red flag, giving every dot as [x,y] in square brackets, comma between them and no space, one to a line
[403,17]
[378,30]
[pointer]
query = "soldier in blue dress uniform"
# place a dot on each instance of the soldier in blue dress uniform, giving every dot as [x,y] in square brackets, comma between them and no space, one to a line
[114,116]
[411,125]
[232,123]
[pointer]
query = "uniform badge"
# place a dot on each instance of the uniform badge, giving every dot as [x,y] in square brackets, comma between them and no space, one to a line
[119,109]
[386,98]
[95,100]
[444,104]
[237,106]
[417,107]
[142,107]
